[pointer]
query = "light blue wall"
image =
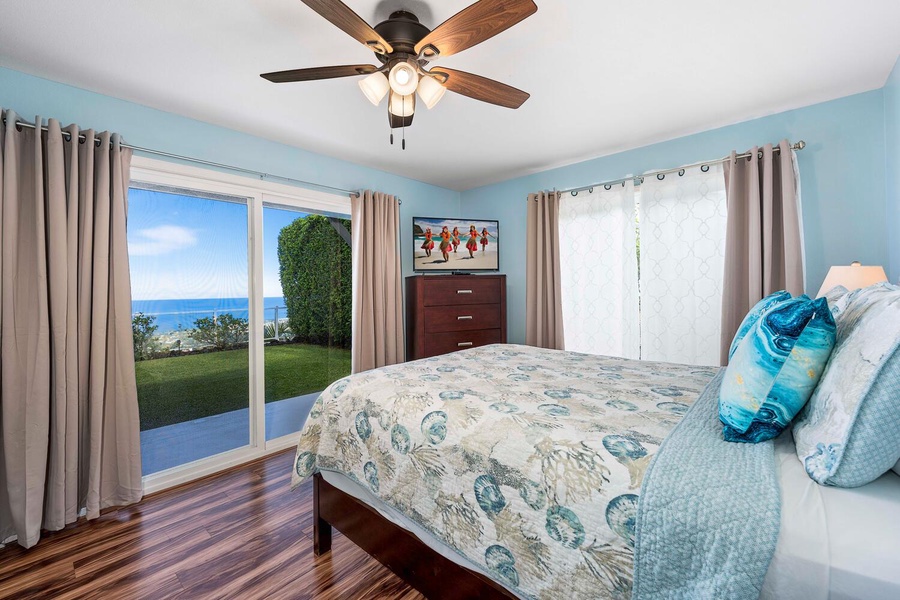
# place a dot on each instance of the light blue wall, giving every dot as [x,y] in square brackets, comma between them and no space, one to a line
[892,167]
[842,171]
[848,213]
[142,126]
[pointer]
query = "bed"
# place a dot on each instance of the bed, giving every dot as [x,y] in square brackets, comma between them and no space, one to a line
[511,471]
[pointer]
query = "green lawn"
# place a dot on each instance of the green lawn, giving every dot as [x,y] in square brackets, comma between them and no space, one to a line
[184,388]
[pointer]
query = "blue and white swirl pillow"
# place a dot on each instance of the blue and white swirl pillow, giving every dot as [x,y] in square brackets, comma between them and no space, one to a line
[849,433]
[753,316]
[775,368]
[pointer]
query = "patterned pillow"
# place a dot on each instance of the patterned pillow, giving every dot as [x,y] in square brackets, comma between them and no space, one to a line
[837,300]
[775,368]
[849,433]
[753,316]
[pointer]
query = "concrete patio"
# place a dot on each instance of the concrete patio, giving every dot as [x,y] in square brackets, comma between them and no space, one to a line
[173,445]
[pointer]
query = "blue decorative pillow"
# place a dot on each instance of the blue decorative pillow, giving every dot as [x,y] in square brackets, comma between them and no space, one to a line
[849,433]
[775,369]
[753,316]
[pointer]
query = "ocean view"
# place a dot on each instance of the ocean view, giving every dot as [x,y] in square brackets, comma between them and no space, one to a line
[172,315]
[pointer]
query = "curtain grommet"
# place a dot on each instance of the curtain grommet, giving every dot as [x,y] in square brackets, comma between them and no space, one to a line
[704,168]
[660,176]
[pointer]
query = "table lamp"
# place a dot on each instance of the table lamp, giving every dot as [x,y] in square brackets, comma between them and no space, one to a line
[853,277]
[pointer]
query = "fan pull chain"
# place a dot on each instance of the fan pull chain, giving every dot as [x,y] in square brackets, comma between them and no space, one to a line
[391,121]
[403,143]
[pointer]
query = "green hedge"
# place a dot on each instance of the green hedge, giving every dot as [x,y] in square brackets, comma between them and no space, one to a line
[314,263]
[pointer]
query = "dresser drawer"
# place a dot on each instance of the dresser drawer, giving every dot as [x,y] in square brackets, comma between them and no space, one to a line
[461,290]
[442,343]
[464,317]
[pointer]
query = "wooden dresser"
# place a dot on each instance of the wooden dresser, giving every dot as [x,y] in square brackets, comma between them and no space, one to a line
[445,313]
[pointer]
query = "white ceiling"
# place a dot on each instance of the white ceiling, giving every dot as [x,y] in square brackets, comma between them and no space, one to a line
[603,76]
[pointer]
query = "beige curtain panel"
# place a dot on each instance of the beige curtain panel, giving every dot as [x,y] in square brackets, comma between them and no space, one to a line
[764,237]
[377,328]
[70,434]
[543,286]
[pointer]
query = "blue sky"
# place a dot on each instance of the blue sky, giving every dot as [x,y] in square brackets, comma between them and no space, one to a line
[182,247]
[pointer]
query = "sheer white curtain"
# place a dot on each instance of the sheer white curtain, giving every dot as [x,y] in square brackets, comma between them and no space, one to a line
[598,270]
[682,261]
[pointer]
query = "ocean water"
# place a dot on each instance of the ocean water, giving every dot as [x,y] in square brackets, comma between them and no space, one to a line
[174,314]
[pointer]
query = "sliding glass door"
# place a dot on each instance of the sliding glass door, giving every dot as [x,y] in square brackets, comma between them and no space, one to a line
[241,313]
[306,333]
[190,323]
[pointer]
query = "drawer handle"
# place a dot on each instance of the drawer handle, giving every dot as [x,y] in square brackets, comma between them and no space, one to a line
[463,291]
[464,344]
[464,318]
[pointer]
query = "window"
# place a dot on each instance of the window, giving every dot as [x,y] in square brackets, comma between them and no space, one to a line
[682,226]
[642,268]
[599,271]
[227,363]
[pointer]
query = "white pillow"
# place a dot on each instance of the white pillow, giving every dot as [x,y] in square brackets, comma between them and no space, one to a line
[849,432]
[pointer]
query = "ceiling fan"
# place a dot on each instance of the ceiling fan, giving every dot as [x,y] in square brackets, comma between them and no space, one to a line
[404,47]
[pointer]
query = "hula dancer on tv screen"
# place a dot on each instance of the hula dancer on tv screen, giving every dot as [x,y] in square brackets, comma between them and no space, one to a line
[445,243]
[428,244]
[472,244]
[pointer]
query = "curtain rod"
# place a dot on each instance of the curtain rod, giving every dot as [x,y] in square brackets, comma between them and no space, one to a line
[200,161]
[638,179]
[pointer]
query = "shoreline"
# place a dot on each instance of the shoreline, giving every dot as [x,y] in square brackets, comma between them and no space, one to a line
[460,261]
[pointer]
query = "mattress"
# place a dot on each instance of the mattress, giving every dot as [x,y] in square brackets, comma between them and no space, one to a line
[834,543]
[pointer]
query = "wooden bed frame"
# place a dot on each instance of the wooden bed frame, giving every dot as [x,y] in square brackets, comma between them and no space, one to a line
[394,547]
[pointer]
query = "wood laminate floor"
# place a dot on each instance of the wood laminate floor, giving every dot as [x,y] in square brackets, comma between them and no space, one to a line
[240,534]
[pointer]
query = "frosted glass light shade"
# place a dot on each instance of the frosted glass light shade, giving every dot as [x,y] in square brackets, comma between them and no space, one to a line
[403,78]
[402,106]
[430,91]
[853,277]
[375,87]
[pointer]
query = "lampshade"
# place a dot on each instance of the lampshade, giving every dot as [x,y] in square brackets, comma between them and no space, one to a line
[403,78]
[375,87]
[853,277]
[402,106]
[430,91]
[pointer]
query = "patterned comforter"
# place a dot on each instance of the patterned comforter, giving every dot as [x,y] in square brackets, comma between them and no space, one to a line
[527,462]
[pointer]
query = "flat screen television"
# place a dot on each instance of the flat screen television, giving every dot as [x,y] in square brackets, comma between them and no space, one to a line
[466,245]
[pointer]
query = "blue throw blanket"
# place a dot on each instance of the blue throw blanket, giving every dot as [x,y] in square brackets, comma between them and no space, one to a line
[709,512]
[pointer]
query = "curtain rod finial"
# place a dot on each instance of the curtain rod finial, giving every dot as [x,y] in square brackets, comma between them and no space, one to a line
[800,145]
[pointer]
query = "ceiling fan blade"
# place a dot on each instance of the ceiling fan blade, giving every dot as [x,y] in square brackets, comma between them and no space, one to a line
[351,23]
[318,73]
[482,88]
[480,21]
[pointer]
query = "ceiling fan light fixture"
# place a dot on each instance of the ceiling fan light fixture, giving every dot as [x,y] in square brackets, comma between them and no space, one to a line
[375,87]
[403,78]
[402,106]
[430,91]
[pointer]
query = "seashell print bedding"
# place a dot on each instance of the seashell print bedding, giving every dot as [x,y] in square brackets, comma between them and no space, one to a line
[527,462]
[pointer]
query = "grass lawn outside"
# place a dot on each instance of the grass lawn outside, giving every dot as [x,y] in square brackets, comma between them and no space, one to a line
[184,388]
